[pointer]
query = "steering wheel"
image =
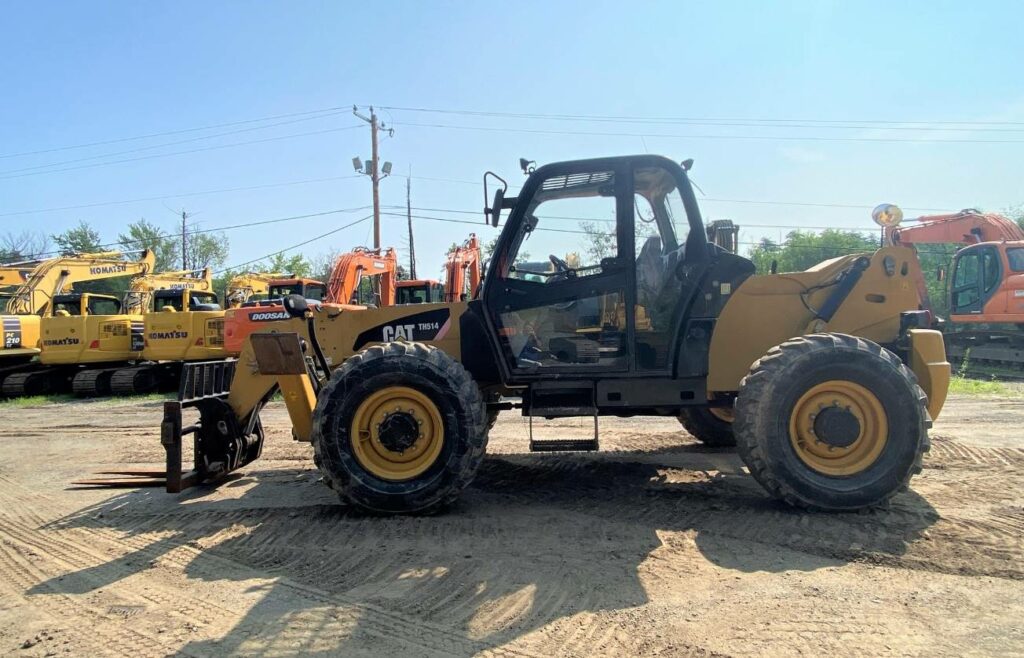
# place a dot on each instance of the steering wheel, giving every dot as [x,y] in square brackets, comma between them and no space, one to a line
[562,269]
[560,265]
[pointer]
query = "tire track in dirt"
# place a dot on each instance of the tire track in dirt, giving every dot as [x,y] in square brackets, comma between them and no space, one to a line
[383,625]
[909,534]
[948,452]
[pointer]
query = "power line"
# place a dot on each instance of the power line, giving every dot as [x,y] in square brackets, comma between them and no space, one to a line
[215,229]
[162,145]
[769,122]
[171,132]
[612,221]
[295,246]
[786,138]
[181,195]
[198,150]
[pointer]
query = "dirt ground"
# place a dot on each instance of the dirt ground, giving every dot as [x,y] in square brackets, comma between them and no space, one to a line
[653,546]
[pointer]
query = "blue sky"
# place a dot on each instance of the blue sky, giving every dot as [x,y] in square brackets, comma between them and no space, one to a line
[75,73]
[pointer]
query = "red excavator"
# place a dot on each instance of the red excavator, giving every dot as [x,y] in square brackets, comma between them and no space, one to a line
[342,288]
[986,282]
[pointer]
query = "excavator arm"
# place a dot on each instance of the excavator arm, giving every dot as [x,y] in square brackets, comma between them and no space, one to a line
[350,268]
[243,287]
[463,265]
[138,299]
[968,226]
[57,274]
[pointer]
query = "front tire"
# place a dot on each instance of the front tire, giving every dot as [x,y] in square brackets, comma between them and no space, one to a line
[400,428]
[831,422]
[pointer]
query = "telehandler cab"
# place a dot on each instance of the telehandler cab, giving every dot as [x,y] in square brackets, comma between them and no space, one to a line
[827,379]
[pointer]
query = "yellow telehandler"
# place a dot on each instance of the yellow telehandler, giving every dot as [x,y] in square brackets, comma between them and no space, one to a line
[830,377]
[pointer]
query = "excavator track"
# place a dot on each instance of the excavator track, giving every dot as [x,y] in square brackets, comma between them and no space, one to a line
[134,381]
[92,383]
[37,382]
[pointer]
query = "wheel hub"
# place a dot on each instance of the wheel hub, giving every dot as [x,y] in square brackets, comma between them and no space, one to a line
[398,431]
[837,427]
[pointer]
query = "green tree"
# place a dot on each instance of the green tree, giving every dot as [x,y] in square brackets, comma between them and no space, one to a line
[206,250]
[803,249]
[79,239]
[295,264]
[144,235]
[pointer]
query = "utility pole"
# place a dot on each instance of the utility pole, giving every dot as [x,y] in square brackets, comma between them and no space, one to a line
[408,214]
[184,240]
[372,170]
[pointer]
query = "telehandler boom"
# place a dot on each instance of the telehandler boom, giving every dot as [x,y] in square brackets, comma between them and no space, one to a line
[831,376]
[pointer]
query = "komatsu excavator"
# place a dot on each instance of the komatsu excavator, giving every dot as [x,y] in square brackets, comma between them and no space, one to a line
[33,300]
[986,282]
[832,376]
[348,272]
[260,286]
[89,336]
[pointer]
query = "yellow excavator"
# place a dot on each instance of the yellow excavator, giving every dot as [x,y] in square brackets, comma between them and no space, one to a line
[89,336]
[829,378]
[184,324]
[249,286]
[33,299]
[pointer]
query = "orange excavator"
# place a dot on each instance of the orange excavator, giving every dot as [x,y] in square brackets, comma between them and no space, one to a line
[463,271]
[343,288]
[461,268]
[986,282]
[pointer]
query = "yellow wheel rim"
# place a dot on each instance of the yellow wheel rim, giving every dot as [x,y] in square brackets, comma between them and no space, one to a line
[846,451]
[723,413]
[397,433]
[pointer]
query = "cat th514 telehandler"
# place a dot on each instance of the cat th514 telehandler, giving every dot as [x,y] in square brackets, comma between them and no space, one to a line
[828,379]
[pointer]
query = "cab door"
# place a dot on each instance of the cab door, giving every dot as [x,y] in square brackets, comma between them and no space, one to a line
[976,277]
[561,272]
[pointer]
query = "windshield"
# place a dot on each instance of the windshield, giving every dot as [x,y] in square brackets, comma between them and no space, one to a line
[413,294]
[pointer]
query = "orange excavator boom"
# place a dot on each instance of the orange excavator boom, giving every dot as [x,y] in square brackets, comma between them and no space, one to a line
[351,267]
[968,226]
[463,265]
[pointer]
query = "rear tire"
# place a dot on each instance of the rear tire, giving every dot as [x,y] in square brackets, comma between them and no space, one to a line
[400,428]
[710,429]
[831,422]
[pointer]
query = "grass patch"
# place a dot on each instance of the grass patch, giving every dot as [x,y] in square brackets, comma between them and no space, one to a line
[35,400]
[966,386]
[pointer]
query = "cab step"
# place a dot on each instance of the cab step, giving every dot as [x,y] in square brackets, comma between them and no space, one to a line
[564,445]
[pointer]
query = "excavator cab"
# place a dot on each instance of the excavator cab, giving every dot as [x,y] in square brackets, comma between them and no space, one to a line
[314,291]
[987,283]
[419,291]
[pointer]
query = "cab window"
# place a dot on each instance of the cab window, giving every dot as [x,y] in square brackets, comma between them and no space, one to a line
[102,306]
[206,301]
[1016,258]
[316,292]
[71,306]
[168,300]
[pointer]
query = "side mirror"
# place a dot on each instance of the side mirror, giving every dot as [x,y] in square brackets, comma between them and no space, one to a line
[295,306]
[499,198]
